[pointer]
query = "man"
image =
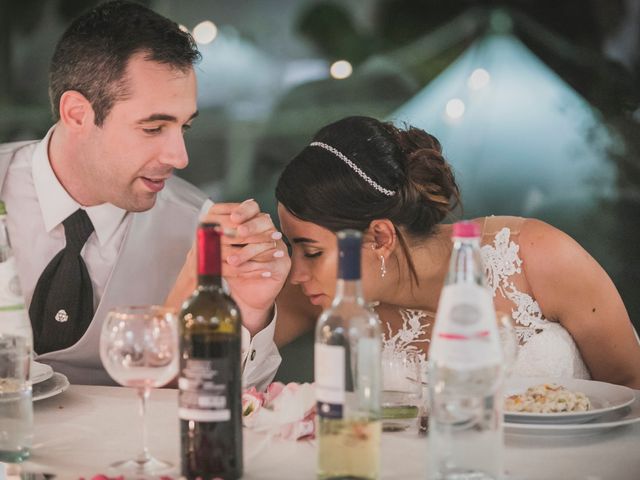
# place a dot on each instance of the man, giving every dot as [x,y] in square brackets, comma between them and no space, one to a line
[95,216]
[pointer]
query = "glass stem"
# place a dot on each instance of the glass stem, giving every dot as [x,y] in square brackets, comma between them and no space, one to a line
[143,456]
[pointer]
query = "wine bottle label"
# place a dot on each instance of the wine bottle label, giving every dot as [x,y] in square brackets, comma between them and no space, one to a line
[329,366]
[203,391]
[10,293]
[465,334]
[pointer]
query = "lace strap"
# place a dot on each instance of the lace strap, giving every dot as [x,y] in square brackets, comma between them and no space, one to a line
[493,225]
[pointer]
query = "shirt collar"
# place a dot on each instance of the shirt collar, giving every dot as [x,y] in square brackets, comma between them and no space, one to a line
[56,204]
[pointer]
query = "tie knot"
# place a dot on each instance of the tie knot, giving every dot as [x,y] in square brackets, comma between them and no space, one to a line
[77,228]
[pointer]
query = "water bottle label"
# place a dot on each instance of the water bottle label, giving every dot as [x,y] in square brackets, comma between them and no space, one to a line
[465,334]
[10,293]
[203,391]
[330,379]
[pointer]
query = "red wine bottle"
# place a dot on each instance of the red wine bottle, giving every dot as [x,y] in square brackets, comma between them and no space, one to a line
[210,405]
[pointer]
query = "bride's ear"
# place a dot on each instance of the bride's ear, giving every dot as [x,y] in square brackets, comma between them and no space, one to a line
[384,237]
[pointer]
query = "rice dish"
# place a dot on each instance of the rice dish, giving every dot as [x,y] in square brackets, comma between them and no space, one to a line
[547,398]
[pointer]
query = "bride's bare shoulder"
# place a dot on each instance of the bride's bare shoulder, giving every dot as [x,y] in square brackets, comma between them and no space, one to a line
[548,250]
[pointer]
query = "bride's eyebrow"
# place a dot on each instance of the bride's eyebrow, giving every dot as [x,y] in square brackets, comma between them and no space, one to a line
[303,240]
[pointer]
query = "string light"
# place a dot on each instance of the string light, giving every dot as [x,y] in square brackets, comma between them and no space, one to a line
[478,79]
[455,108]
[341,69]
[205,32]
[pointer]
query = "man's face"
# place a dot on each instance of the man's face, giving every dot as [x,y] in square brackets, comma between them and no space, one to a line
[141,141]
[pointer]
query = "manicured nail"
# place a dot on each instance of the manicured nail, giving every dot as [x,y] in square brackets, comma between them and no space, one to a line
[278,254]
[276,236]
[266,274]
[247,201]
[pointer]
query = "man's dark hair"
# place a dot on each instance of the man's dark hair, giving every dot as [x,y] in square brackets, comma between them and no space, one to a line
[93,53]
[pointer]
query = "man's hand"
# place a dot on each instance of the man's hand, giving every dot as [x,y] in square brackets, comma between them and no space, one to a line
[255,262]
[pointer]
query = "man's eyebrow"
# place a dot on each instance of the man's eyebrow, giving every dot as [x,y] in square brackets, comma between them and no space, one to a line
[303,240]
[163,117]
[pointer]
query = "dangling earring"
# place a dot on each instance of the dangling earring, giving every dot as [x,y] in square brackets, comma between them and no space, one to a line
[383,267]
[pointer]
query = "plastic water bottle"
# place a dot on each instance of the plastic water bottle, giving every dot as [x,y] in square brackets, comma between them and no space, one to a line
[16,344]
[347,373]
[465,371]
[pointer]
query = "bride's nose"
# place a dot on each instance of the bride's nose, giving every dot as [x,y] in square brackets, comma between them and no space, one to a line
[299,273]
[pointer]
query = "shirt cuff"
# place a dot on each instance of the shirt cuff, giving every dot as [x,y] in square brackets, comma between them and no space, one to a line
[260,356]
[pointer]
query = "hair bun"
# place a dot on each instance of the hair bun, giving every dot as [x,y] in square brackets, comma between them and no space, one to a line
[429,176]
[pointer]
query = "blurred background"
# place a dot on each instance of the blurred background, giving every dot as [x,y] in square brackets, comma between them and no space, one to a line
[536,102]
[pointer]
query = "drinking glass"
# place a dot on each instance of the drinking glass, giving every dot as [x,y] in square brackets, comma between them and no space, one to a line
[16,411]
[139,349]
[401,390]
[508,341]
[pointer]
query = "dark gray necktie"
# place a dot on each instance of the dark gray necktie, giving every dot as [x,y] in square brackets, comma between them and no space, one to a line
[62,305]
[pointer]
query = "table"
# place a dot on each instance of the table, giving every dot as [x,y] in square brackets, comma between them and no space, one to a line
[80,432]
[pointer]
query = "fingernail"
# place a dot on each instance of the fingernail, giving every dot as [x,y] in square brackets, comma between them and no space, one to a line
[247,201]
[266,274]
[278,254]
[276,236]
[232,259]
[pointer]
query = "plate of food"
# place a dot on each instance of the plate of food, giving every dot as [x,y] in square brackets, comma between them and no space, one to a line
[614,419]
[562,400]
[40,372]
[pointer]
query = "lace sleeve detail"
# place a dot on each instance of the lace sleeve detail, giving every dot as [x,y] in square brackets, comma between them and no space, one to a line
[501,261]
[414,330]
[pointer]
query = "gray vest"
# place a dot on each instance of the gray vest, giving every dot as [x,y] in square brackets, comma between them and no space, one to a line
[151,255]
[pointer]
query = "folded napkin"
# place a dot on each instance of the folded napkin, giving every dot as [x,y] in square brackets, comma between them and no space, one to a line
[285,411]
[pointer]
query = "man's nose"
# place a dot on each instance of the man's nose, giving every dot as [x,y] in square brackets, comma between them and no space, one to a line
[175,151]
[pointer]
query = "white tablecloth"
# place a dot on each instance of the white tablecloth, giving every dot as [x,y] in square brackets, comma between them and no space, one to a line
[80,432]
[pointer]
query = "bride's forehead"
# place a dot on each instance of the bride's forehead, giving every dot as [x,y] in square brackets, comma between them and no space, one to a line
[293,228]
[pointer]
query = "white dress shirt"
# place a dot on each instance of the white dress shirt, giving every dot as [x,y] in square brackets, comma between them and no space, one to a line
[46,205]
[37,204]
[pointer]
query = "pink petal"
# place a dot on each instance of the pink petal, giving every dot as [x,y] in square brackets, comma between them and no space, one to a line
[273,391]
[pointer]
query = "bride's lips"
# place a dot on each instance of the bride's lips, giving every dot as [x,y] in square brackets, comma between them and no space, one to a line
[316,299]
[155,185]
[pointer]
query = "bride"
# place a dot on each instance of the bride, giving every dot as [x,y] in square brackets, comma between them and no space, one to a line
[395,186]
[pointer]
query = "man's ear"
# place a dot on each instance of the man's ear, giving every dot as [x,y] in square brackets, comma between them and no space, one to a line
[76,112]
[383,233]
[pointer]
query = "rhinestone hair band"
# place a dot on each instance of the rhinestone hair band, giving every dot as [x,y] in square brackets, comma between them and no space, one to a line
[354,167]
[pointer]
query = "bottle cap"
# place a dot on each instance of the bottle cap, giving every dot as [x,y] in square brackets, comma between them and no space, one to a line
[466,229]
[209,260]
[349,245]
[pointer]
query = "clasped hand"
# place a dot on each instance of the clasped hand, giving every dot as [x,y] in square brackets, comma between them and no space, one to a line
[255,263]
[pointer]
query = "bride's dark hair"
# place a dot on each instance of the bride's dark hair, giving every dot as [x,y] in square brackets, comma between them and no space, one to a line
[318,187]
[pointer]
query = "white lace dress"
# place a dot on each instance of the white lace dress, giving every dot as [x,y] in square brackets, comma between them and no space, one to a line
[545,348]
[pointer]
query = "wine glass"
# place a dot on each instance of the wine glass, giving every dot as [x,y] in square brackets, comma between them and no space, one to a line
[139,349]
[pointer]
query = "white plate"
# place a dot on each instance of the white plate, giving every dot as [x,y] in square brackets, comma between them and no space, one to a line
[58,383]
[604,398]
[40,372]
[617,418]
